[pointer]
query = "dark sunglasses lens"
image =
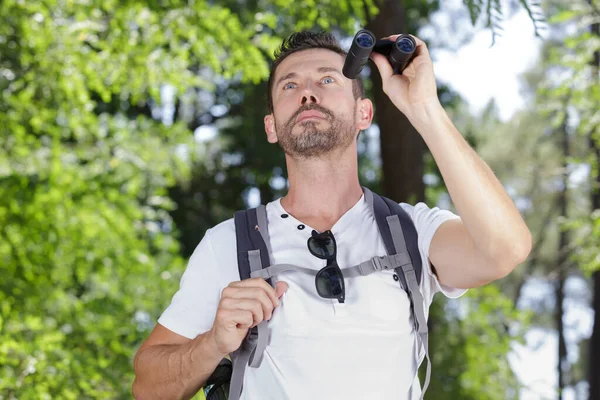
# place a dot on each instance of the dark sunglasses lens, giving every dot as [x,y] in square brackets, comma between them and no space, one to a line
[330,282]
[322,246]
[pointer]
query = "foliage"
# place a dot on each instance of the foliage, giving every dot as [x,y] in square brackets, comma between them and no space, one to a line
[573,90]
[494,10]
[473,336]
[88,252]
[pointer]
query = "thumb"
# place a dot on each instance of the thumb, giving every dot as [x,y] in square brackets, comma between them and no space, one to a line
[280,289]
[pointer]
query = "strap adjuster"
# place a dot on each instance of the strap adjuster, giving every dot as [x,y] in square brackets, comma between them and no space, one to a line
[381,263]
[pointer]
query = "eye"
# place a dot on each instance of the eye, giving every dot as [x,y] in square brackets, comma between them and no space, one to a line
[287,85]
[328,79]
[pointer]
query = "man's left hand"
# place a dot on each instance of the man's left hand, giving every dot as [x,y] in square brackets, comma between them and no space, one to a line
[416,87]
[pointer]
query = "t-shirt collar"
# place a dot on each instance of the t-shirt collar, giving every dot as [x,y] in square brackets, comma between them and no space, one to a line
[338,228]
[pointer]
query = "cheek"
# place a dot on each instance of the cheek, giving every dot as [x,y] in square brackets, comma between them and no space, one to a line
[283,112]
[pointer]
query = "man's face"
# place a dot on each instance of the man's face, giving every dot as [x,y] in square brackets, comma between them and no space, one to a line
[314,110]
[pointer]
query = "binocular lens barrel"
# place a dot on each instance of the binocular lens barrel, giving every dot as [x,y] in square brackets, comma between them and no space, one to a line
[401,53]
[359,53]
[405,44]
[363,39]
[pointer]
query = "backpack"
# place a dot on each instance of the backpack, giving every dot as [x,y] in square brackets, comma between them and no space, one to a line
[253,249]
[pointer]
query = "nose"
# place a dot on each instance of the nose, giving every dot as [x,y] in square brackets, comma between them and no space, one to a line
[308,99]
[309,96]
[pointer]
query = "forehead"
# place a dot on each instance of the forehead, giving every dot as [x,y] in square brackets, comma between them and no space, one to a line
[309,60]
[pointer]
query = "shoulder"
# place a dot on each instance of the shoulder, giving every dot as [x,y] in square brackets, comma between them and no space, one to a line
[222,234]
[208,271]
[427,220]
[425,217]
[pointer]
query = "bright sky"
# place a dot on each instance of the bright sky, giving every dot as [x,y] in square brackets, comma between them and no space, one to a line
[479,73]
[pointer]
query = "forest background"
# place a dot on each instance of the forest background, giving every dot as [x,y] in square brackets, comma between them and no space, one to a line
[128,128]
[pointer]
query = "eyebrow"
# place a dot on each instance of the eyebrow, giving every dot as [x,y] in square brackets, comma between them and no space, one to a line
[294,75]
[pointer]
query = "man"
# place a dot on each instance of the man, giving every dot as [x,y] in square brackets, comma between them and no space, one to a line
[320,348]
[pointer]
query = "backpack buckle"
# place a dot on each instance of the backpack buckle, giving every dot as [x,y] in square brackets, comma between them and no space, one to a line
[380,264]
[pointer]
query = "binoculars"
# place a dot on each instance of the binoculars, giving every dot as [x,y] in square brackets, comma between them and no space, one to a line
[399,52]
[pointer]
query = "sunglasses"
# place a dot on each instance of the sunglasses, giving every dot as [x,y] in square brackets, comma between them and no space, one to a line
[329,280]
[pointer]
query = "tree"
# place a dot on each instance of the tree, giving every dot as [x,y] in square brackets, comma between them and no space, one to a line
[87,154]
[594,143]
[579,57]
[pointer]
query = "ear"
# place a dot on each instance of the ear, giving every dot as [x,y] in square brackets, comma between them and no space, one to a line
[270,128]
[364,116]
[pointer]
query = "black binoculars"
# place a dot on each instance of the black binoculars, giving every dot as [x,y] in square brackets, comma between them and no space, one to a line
[399,52]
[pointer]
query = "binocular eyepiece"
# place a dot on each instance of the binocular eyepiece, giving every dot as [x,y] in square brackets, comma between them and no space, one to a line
[399,52]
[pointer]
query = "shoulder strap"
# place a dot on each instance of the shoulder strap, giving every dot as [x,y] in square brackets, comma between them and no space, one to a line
[399,235]
[253,254]
[250,236]
[396,240]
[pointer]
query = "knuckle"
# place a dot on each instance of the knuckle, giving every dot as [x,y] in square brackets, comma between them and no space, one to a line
[258,293]
[268,305]
[249,316]
[257,307]
[225,302]
[262,282]
[221,315]
[264,298]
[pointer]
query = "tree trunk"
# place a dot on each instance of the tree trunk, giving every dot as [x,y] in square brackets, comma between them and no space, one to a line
[562,347]
[401,145]
[563,258]
[594,372]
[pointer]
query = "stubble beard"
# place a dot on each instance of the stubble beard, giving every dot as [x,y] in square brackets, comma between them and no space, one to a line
[315,138]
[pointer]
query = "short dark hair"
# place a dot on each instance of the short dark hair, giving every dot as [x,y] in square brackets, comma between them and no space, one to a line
[305,40]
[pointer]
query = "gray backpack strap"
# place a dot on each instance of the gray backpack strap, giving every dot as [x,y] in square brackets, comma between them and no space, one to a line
[276,269]
[253,251]
[400,238]
[263,228]
[375,264]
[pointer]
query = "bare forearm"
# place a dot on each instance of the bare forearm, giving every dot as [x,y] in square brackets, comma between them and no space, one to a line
[487,211]
[174,371]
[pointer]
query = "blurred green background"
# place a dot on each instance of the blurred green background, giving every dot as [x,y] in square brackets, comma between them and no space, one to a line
[127,128]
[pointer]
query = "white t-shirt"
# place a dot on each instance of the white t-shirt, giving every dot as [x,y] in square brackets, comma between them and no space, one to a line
[318,349]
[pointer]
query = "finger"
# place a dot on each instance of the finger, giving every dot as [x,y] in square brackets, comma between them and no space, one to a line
[391,37]
[260,283]
[254,306]
[383,65]
[419,42]
[252,293]
[242,318]
[421,50]
[280,289]
[234,319]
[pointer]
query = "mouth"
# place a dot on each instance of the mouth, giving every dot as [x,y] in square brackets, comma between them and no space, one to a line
[310,114]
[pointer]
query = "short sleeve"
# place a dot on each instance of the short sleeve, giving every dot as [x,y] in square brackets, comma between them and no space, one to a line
[194,305]
[427,220]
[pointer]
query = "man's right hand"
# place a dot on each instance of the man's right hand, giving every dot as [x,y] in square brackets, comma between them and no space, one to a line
[244,304]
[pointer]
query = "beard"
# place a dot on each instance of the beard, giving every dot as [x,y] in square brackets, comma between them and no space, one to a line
[316,138]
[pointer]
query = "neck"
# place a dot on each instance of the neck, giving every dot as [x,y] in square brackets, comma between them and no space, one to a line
[322,189]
